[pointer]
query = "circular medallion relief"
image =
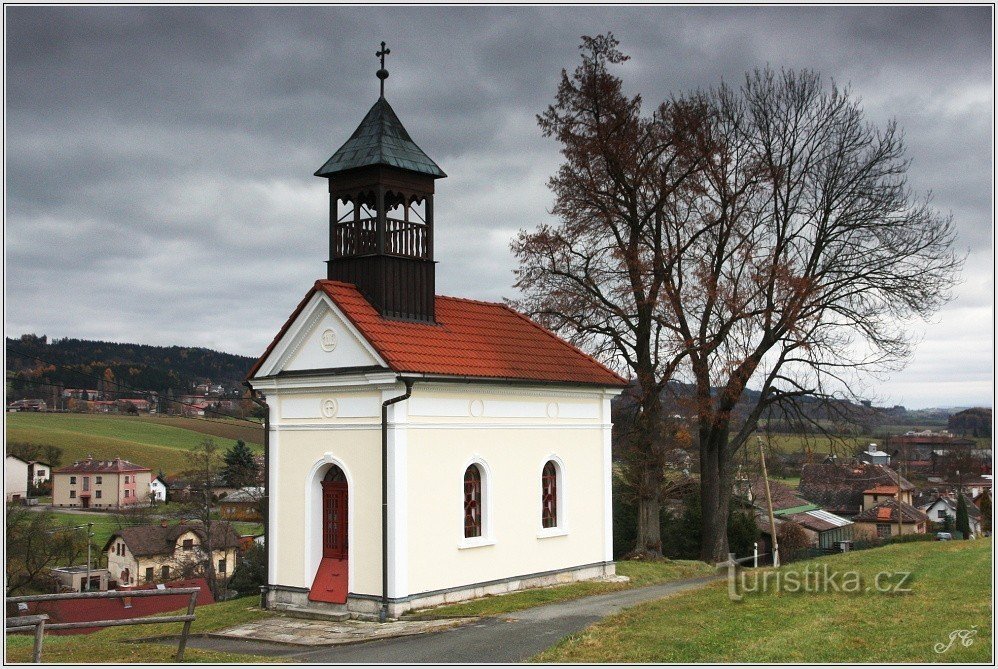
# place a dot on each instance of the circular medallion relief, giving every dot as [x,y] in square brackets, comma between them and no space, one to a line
[329,407]
[553,409]
[476,408]
[328,340]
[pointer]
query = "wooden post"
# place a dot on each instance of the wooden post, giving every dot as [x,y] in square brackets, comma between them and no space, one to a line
[769,503]
[187,627]
[36,655]
[898,474]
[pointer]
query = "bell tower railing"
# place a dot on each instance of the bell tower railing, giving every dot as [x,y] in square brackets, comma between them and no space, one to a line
[358,237]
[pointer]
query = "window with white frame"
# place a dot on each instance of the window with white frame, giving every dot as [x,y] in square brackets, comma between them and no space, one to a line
[549,495]
[476,516]
[473,506]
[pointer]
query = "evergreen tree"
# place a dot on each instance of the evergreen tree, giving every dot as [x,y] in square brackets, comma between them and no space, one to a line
[240,467]
[962,517]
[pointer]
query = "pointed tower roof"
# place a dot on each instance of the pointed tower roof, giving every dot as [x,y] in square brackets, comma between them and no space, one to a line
[380,139]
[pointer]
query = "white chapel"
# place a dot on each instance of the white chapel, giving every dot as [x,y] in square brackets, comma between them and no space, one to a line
[422,449]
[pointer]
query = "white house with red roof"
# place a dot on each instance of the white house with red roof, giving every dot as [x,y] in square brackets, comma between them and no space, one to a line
[422,449]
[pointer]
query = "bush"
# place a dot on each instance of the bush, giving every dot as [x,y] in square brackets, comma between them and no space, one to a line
[251,571]
[909,538]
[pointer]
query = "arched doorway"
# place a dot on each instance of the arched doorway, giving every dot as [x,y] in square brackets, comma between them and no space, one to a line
[330,583]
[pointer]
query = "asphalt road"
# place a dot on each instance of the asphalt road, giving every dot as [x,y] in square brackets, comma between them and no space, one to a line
[513,637]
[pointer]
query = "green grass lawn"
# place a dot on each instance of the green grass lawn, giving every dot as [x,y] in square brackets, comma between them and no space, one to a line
[114,644]
[640,572]
[160,444]
[844,445]
[950,590]
[105,524]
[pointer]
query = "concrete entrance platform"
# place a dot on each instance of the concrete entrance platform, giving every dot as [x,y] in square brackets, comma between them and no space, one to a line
[297,632]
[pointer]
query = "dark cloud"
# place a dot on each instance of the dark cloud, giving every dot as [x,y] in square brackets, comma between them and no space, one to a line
[159,159]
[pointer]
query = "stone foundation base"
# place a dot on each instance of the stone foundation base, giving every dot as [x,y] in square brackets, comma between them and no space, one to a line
[289,598]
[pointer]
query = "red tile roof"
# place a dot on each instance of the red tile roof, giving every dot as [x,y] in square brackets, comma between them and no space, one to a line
[469,339]
[89,465]
[881,489]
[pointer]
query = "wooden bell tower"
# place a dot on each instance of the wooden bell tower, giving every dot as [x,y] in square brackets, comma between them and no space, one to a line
[381,214]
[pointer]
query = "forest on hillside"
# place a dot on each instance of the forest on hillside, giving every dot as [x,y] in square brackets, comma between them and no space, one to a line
[36,367]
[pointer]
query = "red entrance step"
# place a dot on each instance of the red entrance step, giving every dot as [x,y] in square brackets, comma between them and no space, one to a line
[330,584]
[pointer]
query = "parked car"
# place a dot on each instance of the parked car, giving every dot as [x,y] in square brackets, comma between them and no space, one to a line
[944,536]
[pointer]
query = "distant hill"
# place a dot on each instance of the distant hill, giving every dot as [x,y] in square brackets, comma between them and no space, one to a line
[972,422]
[35,366]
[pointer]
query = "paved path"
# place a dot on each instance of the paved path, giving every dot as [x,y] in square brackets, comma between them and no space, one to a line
[513,637]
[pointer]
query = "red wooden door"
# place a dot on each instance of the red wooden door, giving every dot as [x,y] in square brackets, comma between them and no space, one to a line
[334,517]
[331,579]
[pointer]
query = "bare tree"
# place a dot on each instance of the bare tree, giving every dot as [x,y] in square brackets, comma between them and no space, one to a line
[204,471]
[760,238]
[800,257]
[35,543]
[599,276]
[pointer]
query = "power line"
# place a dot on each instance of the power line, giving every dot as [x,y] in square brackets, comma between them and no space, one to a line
[116,383]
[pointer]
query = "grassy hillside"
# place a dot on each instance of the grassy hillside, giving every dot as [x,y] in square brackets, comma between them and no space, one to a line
[157,443]
[950,589]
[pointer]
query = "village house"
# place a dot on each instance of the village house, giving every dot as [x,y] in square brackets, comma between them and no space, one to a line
[157,489]
[132,405]
[91,483]
[874,455]
[423,448]
[39,472]
[27,405]
[157,553]
[881,521]
[243,504]
[943,506]
[15,478]
[824,530]
[74,579]
[840,488]
[878,493]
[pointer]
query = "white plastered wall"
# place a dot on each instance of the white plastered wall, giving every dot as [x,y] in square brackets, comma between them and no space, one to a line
[303,447]
[512,432]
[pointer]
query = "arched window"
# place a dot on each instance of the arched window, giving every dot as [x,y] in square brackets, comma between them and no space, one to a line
[549,495]
[472,502]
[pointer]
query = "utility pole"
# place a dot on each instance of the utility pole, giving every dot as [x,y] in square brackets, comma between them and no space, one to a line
[769,504]
[90,534]
[898,474]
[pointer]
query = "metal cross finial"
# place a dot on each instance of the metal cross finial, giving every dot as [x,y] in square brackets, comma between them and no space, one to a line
[383,73]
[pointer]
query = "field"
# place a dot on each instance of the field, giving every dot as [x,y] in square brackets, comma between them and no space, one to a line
[641,573]
[950,590]
[116,644]
[841,445]
[157,443]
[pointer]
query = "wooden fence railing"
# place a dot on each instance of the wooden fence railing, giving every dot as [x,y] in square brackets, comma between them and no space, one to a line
[39,623]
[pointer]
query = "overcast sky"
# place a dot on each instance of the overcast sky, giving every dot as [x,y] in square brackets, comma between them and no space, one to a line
[159,160]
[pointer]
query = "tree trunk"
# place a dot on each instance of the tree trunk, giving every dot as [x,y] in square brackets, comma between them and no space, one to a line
[650,469]
[715,494]
[649,539]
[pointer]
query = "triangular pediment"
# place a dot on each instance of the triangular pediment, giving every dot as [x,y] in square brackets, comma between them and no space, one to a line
[321,337]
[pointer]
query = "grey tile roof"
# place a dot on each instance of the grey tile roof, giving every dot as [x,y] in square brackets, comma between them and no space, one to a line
[380,139]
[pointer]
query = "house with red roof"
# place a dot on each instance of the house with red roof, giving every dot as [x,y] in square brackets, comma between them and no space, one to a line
[91,483]
[422,448]
[881,521]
